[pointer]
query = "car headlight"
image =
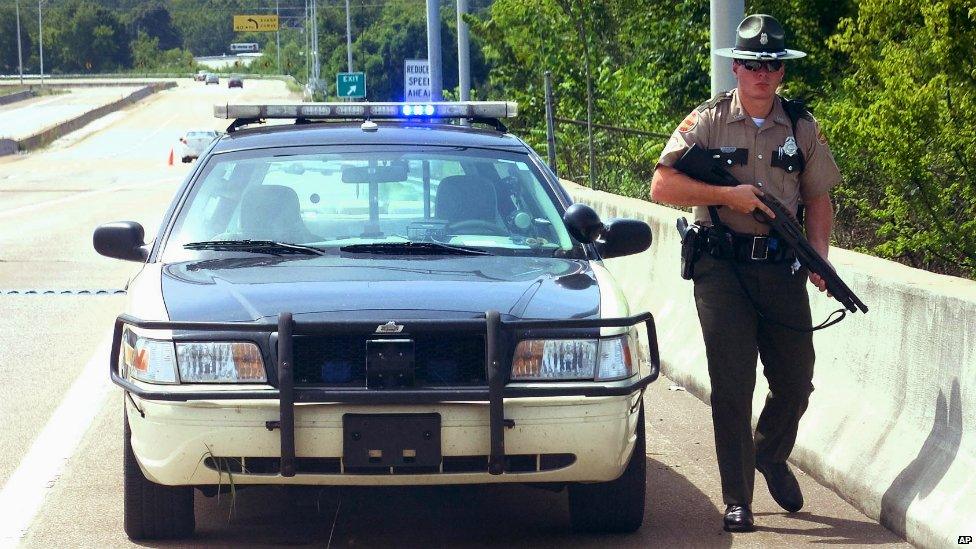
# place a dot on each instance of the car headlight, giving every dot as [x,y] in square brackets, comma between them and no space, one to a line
[145,359]
[603,359]
[220,362]
[158,361]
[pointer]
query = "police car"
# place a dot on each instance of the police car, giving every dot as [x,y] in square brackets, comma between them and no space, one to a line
[378,294]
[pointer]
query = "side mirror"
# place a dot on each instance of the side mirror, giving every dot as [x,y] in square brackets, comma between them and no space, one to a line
[624,237]
[583,223]
[121,240]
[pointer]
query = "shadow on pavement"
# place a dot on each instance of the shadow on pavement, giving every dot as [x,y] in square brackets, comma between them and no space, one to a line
[445,516]
[835,530]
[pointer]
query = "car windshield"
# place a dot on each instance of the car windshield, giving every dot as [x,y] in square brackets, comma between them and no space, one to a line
[341,200]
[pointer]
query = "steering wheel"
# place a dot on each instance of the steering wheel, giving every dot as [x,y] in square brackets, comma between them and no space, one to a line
[475,226]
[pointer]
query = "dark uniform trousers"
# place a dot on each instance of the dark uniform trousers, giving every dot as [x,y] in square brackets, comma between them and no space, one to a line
[734,335]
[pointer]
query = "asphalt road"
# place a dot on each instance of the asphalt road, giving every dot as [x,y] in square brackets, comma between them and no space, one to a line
[61,446]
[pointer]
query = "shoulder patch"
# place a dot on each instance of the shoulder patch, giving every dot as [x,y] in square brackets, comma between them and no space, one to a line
[689,122]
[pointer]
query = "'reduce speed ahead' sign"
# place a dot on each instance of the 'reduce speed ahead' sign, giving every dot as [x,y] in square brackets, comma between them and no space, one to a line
[416,80]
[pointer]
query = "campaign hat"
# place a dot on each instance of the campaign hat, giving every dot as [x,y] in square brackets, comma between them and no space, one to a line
[761,37]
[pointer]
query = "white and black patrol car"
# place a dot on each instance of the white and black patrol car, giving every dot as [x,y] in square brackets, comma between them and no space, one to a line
[377,295]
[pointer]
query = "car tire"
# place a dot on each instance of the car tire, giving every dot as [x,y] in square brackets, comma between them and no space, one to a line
[150,510]
[616,506]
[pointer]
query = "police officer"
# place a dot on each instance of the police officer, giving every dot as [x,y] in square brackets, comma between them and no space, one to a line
[750,293]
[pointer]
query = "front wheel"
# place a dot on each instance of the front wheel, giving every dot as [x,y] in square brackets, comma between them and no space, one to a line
[150,510]
[616,506]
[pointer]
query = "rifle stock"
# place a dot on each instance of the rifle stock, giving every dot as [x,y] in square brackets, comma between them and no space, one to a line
[698,164]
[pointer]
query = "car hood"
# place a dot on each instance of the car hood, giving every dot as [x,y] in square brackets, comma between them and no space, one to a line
[329,287]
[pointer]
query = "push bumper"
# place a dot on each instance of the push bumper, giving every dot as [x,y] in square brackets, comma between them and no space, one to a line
[279,405]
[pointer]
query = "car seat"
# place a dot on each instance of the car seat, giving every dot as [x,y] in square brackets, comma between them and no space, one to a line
[470,203]
[272,212]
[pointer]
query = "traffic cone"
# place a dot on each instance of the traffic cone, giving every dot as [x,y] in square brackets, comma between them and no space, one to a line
[170,157]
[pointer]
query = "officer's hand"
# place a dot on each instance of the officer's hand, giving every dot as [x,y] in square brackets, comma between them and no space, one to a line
[819,282]
[745,199]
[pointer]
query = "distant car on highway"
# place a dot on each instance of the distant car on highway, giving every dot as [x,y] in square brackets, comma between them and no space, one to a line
[372,296]
[195,142]
[235,82]
[212,79]
[200,76]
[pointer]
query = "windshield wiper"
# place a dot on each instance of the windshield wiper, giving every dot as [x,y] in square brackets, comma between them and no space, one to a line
[257,246]
[412,248]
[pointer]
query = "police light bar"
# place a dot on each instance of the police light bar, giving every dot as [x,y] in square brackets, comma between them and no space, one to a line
[321,111]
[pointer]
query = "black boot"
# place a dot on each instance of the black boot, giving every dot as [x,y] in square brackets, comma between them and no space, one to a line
[738,518]
[783,486]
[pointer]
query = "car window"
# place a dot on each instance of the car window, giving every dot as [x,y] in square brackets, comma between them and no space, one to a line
[495,200]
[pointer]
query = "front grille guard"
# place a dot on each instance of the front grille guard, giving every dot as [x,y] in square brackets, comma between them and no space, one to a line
[498,371]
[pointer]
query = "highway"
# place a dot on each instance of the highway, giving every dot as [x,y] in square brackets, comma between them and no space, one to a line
[61,446]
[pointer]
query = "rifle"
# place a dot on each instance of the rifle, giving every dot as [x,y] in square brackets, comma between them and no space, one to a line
[699,164]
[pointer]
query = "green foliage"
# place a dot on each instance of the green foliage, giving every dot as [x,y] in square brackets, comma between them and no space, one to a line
[82,36]
[647,60]
[8,38]
[904,129]
[146,56]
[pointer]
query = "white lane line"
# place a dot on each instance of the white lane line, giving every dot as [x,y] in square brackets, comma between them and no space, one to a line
[85,194]
[26,489]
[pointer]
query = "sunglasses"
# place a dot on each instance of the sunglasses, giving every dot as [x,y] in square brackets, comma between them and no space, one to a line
[756,66]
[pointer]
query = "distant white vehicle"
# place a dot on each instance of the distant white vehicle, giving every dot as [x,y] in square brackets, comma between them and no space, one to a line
[195,142]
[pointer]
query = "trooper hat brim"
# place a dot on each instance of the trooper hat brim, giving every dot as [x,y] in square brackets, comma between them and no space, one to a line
[759,55]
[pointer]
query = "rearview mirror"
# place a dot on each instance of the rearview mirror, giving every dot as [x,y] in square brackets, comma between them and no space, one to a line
[624,237]
[121,240]
[617,237]
[378,174]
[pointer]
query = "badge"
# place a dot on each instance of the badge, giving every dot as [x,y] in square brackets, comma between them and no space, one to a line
[763,39]
[689,122]
[821,138]
[789,147]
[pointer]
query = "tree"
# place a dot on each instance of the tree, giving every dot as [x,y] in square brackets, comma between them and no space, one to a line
[8,38]
[82,36]
[154,20]
[904,124]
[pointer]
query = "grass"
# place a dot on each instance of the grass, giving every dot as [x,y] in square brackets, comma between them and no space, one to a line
[223,466]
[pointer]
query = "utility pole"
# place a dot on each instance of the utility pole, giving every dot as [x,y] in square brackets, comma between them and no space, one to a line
[315,45]
[348,37]
[434,48]
[20,54]
[278,35]
[40,36]
[305,33]
[464,57]
[724,17]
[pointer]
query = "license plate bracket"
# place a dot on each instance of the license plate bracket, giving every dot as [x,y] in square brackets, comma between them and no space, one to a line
[376,441]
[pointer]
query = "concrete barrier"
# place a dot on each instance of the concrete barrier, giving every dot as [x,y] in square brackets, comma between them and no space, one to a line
[891,423]
[48,135]
[14,97]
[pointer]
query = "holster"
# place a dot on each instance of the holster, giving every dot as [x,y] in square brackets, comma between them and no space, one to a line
[690,247]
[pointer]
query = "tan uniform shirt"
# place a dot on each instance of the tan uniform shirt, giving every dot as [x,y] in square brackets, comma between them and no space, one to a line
[724,124]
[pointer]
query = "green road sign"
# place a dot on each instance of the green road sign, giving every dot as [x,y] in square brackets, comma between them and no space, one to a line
[351,84]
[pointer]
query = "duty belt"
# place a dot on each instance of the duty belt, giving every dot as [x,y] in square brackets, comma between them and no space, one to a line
[747,248]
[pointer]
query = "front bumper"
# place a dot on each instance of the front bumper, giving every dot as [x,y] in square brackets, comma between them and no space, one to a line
[592,438]
[167,418]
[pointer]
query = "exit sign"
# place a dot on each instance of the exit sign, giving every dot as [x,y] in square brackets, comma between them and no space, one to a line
[351,84]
